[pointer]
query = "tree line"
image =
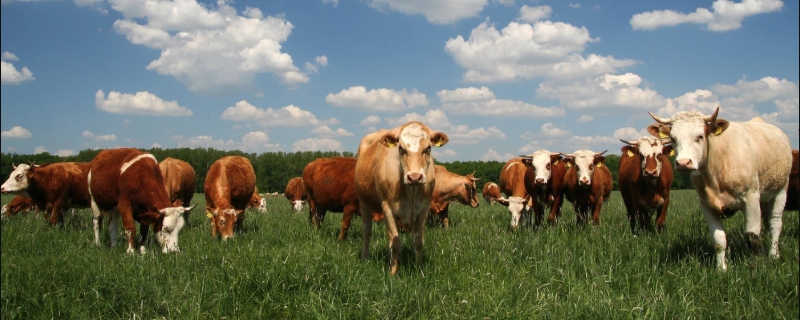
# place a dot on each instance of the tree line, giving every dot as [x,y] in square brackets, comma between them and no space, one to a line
[275,169]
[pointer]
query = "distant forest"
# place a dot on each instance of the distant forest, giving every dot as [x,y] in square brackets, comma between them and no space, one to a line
[274,169]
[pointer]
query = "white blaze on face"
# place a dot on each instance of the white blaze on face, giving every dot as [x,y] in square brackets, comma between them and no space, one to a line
[262,205]
[540,160]
[171,226]
[651,148]
[414,158]
[584,161]
[297,205]
[515,207]
[688,134]
[17,182]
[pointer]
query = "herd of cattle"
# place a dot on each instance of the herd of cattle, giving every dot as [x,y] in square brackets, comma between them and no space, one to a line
[393,178]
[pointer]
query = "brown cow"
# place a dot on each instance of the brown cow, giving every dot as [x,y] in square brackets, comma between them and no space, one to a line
[395,174]
[512,183]
[330,185]
[645,176]
[296,193]
[257,202]
[452,187]
[55,186]
[180,181]
[229,186]
[491,192]
[17,205]
[793,193]
[544,181]
[587,184]
[130,181]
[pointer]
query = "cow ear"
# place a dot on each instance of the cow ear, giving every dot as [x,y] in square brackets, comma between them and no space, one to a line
[658,130]
[439,139]
[599,161]
[719,126]
[629,151]
[527,161]
[211,212]
[389,140]
[555,159]
[667,150]
[238,212]
[177,203]
[503,201]
[569,162]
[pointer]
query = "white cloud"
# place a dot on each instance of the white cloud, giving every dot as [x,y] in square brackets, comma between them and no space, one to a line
[141,103]
[39,149]
[9,73]
[725,15]
[322,61]
[66,153]
[256,141]
[550,130]
[459,134]
[492,155]
[584,118]
[335,3]
[370,121]
[155,145]
[552,135]
[601,92]
[209,48]
[102,138]
[317,144]
[533,14]
[483,102]
[524,51]
[381,99]
[435,11]
[16,132]
[288,116]
[444,153]
[574,5]
[328,132]
[630,133]
[703,100]
[8,56]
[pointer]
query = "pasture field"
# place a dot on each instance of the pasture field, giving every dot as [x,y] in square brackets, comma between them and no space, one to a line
[280,267]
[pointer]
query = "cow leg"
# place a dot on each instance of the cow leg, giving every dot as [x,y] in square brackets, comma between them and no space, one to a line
[630,209]
[395,243]
[126,213]
[418,239]
[312,214]
[113,226]
[55,213]
[239,224]
[661,220]
[752,221]
[366,231]
[143,231]
[538,211]
[96,221]
[598,207]
[445,216]
[775,211]
[717,230]
[347,216]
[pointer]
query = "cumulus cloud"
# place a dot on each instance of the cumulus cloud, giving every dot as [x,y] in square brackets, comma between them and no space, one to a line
[370,121]
[334,3]
[317,144]
[141,103]
[39,149]
[8,56]
[288,116]
[725,15]
[381,99]
[492,155]
[328,132]
[630,133]
[66,153]
[459,134]
[16,132]
[523,51]
[435,11]
[574,5]
[585,118]
[440,153]
[604,91]
[9,73]
[552,134]
[101,138]
[482,101]
[209,48]
[533,14]
[255,141]
[321,61]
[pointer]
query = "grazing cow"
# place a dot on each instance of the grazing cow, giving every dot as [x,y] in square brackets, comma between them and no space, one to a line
[229,186]
[180,181]
[395,175]
[587,184]
[735,166]
[645,176]
[544,181]
[257,202]
[17,205]
[296,193]
[491,192]
[793,193]
[53,187]
[512,184]
[452,187]
[330,185]
[130,181]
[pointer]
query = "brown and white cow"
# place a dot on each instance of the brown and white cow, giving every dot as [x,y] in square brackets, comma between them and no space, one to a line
[129,182]
[512,184]
[330,185]
[544,182]
[229,186]
[257,202]
[54,187]
[395,175]
[735,166]
[296,193]
[645,177]
[180,181]
[793,193]
[587,184]
[491,192]
[452,187]
[17,205]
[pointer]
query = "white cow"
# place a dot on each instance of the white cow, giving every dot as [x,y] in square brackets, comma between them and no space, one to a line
[735,166]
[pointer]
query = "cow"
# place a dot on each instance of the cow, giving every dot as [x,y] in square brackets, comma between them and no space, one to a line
[257,202]
[512,184]
[491,192]
[129,182]
[587,184]
[17,205]
[330,185]
[452,187]
[645,177]
[793,193]
[180,181]
[734,166]
[395,175]
[54,187]
[296,193]
[229,186]
[544,182]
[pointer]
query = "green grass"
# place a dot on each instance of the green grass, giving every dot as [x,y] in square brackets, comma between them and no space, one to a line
[279,267]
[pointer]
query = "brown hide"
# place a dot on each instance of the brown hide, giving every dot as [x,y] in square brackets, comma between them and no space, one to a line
[793,194]
[451,187]
[643,195]
[59,186]
[549,195]
[180,181]
[229,186]
[19,204]
[590,198]
[330,185]
[296,191]
[491,192]
[255,200]
[512,184]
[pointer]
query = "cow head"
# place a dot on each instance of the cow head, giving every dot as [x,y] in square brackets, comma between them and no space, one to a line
[414,143]
[650,151]
[224,220]
[542,162]
[472,190]
[585,163]
[17,182]
[689,132]
[171,225]
[515,206]
[262,205]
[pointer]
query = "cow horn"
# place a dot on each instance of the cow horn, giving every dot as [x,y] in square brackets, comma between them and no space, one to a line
[633,143]
[190,208]
[600,153]
[568,155]
[13,166]
[555,154]
[474,179]
[712,117]
[527,156]
[660,120]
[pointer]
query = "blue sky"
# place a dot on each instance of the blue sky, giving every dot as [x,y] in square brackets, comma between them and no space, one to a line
[499,77]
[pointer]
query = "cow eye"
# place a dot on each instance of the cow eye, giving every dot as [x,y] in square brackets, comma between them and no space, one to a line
[658,156]
[18,177]
[547,166]
[428,150]
[591,166]
[699,138]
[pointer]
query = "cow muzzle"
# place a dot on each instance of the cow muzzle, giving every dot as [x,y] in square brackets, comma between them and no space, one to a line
[415,178]
[684,164]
